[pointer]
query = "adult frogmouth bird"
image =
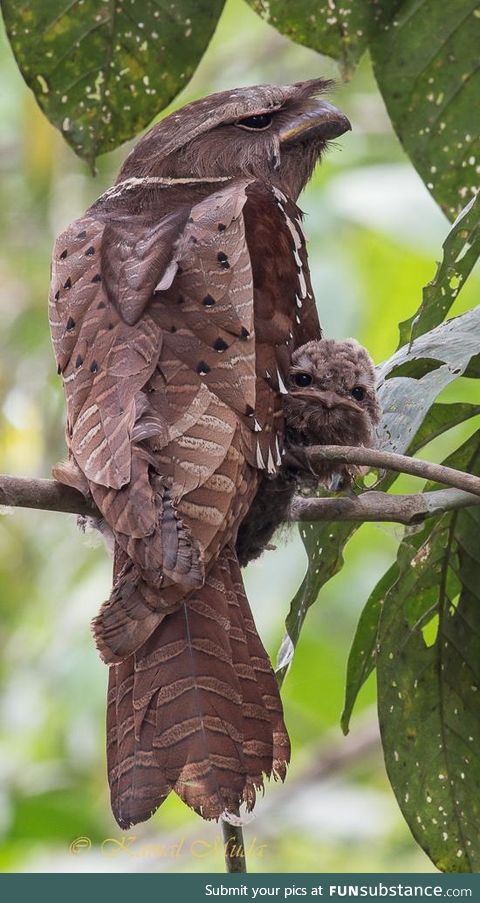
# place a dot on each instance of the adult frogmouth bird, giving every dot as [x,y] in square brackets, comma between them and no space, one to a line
[176,303]
[331,400]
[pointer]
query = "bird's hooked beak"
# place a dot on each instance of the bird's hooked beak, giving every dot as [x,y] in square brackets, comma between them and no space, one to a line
[317,119]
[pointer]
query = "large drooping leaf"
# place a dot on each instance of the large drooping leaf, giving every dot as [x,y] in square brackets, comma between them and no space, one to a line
[461,251]
[362,657]
[426,65]
[361,661]
[324,544]
[405,401]
[100,70]
[340,30]
[428,672]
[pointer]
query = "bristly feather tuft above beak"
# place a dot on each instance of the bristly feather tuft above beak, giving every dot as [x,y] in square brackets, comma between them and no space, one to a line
[318,119]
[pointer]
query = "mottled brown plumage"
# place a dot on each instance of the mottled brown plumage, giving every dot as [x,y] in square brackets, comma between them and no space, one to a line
[331,400]
[175,305]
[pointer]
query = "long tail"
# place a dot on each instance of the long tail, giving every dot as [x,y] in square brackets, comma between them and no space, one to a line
[196,709]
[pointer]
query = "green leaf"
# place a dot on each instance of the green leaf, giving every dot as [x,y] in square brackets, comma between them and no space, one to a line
[461,251]
[101,70]
[426,65]
[340,32]
[428,671]
[361,660]
[440,418]
[473,369]
[324,544]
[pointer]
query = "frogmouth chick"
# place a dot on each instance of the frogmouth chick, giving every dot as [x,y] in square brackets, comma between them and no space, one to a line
[331,400]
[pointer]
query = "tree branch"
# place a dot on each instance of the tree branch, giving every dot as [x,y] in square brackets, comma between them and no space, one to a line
[374,457]
[379,506]
[50,495]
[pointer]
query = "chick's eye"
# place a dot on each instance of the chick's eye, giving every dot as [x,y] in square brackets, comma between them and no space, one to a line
[358,393]
[302,379]
[262,121]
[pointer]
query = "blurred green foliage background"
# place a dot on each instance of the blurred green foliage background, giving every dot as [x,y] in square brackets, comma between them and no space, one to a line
[374,234]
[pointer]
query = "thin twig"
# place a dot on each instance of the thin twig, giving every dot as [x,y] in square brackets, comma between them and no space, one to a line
[374,457]
[234,847]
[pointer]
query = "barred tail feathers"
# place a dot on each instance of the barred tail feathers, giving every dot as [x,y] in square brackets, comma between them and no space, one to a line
[196,709]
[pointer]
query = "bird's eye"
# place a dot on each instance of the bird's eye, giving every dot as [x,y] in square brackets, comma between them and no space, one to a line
[302,380]
[255,123]
[358,393]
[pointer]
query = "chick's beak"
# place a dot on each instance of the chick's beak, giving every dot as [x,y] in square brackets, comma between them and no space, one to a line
[318,119]
[329,400]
